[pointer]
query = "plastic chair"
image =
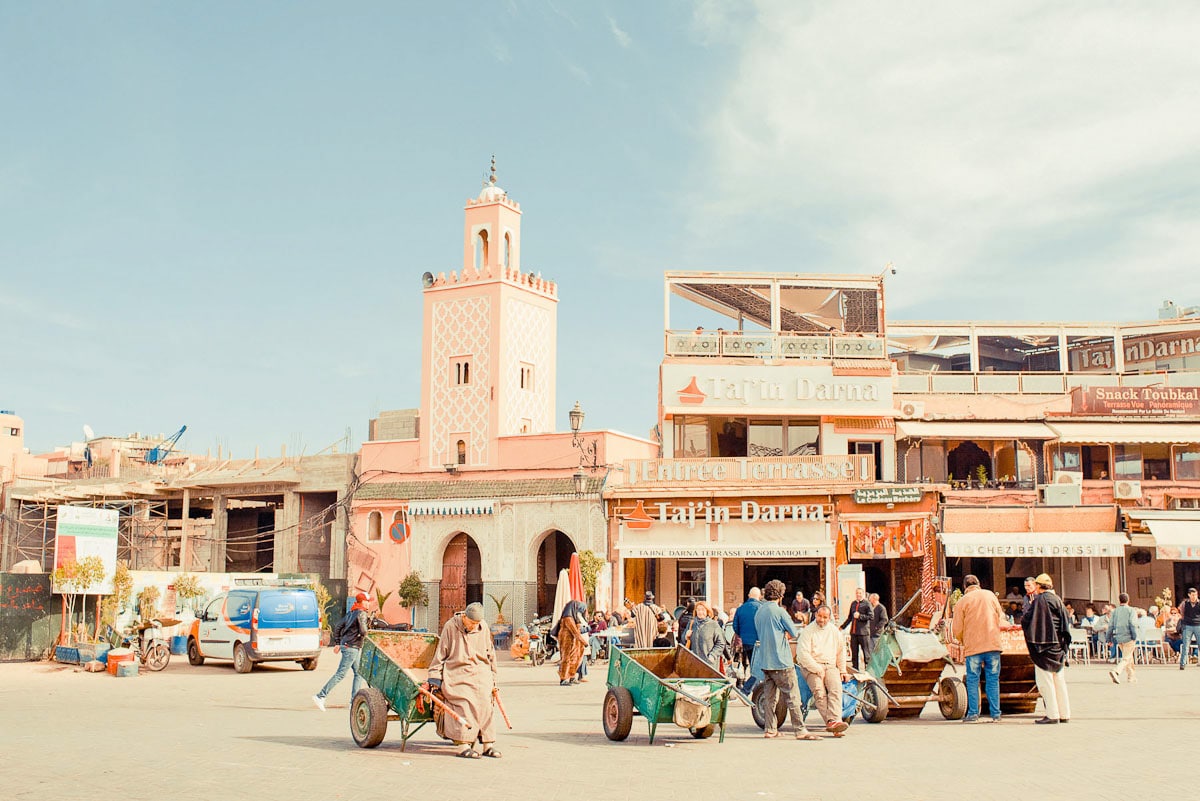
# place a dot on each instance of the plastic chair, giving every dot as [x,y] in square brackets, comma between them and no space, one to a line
[1150,645]
[1080,646]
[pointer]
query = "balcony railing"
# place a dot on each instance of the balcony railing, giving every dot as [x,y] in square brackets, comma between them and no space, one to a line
[1033,383]
[775,346]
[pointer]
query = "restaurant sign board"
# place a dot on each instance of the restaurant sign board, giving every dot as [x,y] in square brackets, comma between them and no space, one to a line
[1133,401]
[889,495]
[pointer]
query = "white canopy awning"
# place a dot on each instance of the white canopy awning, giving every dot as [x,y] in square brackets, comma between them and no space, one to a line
[462,506]
[1109,433]
[1035,543]
[958,429]
[1176,539]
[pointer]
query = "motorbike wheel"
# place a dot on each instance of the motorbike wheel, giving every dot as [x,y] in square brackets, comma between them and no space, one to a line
[157,656]
[537,657]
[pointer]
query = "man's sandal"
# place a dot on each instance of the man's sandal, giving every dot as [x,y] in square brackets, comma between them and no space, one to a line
[469,753]
[492,752]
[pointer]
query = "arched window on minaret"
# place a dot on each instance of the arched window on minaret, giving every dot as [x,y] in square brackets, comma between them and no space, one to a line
[481,249]
[462,451]
[507,248]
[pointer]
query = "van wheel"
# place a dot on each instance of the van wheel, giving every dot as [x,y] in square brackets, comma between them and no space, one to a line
[194,656]
[309,664]
[242,662]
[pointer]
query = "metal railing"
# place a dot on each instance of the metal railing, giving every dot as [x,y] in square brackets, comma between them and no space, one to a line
[777,346]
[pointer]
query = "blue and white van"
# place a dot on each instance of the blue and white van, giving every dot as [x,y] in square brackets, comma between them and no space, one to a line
[258,624]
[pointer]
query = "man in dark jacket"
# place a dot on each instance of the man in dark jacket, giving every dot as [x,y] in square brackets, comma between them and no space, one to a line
[743,627]
[1048,637]
[879,619]
[1189,625]
[348,638]
[859,621]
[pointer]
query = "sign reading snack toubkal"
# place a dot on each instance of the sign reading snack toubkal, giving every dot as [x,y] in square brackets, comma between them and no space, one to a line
[82,531]
[1180,401]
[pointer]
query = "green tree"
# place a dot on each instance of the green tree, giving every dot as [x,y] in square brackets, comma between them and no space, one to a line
[74,578]
[412,592]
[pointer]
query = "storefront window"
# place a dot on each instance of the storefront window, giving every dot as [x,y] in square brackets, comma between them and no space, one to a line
[1156,462]
[691,581]
[1092,461]
[691,437]
[766,438]
[1187,462]
[803,438]
[1013,463]
[730,435]
[1127,461]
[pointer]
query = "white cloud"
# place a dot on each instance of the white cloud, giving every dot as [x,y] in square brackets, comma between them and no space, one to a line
[1001,146]
[579,73]
[621,36]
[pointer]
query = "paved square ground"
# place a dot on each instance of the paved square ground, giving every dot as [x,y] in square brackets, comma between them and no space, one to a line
[209,733]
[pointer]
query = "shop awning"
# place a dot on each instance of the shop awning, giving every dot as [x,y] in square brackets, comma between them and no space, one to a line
[1063,544]
[923,429]
[1176,539]
[465,506]
[1109,433]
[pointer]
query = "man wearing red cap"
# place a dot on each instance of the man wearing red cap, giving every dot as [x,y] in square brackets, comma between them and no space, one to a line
[348,638]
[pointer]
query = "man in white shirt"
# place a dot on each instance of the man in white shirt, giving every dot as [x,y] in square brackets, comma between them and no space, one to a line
[821,653]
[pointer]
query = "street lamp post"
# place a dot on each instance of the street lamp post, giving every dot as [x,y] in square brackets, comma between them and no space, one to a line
[587,449]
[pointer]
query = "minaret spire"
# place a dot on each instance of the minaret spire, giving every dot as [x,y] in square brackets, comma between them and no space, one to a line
[492,179]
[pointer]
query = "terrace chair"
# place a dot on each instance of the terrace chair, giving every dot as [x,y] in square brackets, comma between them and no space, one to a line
[1080,646]
[1149,646]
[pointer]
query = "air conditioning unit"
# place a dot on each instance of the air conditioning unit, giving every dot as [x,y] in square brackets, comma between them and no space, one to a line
[1062,494]
[911,410]
[1064,477]
[1127,490]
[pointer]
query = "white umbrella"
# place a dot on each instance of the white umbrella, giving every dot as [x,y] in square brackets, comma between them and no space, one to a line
[562,594]
[604,587]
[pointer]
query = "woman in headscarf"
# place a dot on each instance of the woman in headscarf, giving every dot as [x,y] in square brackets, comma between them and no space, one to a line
[571,642]
[708,640]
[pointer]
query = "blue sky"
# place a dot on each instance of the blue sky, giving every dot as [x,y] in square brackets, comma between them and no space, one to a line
[218,214]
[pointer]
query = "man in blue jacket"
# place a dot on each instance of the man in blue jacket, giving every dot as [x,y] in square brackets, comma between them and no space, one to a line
[1123,631]
[775,630]
[743,627]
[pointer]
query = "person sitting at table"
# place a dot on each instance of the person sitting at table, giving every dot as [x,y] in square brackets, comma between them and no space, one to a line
[1071,614]
[1173,630]
[1100,638]
[1089,617]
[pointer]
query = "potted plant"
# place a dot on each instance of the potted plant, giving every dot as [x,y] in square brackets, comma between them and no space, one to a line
[188,590]
[323,601]
[71,579]
[499,602]
[148,603]
[412,594]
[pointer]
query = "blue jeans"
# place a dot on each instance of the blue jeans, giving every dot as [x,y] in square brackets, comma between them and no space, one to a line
[349,662]
[990,662]
[1188,633]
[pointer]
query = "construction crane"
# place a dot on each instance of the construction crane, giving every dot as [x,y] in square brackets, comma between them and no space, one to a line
[159,453]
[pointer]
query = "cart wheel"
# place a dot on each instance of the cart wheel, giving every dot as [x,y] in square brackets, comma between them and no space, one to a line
[704,732]
[194,656]
[952,698]
[618,713]
[758,708]
[310,663]
[874,705]
[157,656]
[242,662]
[368,717]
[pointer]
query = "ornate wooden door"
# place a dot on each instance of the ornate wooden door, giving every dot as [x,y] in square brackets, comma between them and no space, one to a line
[454,579]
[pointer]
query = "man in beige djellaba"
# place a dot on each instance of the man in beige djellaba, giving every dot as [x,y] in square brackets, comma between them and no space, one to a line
[464,667]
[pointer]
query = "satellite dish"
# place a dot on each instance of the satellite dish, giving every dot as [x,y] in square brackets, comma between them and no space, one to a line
[427,280]
[88,432]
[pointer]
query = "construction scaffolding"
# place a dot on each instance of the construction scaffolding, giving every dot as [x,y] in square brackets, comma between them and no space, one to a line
[143,540]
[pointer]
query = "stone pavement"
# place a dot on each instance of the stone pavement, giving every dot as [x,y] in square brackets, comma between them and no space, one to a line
[209,733]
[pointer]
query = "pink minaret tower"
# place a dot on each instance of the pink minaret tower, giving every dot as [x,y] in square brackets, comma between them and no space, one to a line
[488,364]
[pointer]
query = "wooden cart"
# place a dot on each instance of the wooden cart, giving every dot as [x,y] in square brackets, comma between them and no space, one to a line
[1018,687]
[393,664]
[664,685]
[909,663]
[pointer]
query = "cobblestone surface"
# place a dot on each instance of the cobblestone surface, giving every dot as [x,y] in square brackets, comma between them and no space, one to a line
[209,733]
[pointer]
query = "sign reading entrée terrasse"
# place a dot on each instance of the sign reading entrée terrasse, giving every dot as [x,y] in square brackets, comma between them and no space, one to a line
[852,469]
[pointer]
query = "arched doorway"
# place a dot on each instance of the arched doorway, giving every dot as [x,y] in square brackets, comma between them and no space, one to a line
[462,577]
[963,462]
[554,554]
